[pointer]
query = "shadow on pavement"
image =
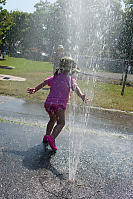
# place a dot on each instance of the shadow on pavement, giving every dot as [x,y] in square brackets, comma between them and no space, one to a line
[38,157]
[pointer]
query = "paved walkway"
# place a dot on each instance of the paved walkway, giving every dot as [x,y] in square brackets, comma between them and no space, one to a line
[11,78]
[110,76]
[117,76]
[100,151]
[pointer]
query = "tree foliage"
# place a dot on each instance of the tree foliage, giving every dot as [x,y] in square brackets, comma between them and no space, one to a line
[15,36]
[125,39]
[102,27]
[2,2]
[5,24]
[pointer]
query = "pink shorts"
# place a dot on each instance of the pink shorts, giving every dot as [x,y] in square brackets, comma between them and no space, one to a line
[52,108]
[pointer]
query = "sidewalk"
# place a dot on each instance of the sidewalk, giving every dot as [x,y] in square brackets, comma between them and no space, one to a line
[108,76]
[115,76]
[11,78]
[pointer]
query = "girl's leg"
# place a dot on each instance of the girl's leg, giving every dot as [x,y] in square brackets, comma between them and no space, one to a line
[60,117]
[51,123]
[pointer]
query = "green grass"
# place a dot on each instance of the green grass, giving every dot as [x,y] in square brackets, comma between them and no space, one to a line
[105,95]
[109,96]
[34,72]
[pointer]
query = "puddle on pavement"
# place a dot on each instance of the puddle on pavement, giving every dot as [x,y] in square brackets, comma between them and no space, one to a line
[20,106]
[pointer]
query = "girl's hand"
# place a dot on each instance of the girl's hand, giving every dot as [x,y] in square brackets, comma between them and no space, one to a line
[31,90]
[85,100]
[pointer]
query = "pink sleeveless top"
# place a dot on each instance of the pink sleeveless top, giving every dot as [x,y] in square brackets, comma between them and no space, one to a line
[61,86]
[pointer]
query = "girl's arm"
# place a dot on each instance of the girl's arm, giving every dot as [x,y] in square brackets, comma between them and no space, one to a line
[40,86]
[80,94]
[33,90]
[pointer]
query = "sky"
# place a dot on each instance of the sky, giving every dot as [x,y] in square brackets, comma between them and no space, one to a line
[22,5]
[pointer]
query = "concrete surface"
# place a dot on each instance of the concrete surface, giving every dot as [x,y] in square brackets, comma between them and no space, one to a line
[11,78]
[30,171]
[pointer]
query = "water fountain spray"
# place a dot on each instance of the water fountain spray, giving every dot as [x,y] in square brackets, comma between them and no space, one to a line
[87,24]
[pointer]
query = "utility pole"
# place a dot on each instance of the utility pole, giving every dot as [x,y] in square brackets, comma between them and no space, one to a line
[129,61]
[127,64]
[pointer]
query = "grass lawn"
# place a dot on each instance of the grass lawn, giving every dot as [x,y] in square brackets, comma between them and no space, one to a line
[34,72]
[105,95]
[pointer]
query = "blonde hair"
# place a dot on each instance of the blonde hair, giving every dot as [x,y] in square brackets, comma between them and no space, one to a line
[67,64]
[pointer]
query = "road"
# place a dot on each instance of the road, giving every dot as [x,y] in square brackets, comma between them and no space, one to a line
[30,171]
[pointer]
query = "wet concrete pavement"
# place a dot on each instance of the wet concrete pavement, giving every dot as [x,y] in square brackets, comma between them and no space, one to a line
[28,170]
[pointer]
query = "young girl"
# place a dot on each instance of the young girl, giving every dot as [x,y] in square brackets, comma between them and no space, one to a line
[61,86]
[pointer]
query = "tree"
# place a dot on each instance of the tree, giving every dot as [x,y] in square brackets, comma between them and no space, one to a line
[114,29]
[91,25]
[2,2]
[5,24]
[128,4]
[15,36]
[51,23]
[125,42]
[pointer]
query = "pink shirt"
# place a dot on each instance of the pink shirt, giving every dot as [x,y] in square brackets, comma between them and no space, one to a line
[61,86]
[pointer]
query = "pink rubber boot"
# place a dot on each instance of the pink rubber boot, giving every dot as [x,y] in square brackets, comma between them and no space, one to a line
[51,142]
[45,139]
